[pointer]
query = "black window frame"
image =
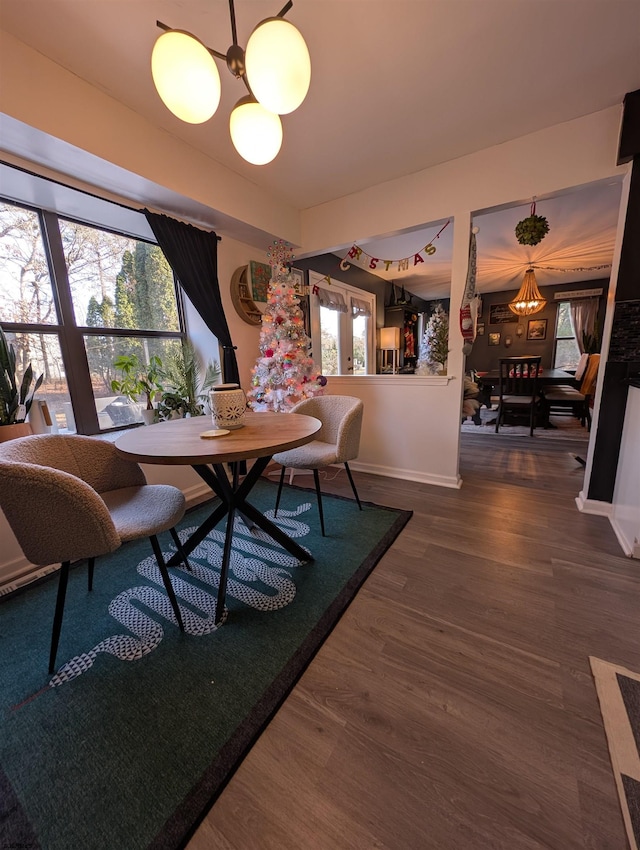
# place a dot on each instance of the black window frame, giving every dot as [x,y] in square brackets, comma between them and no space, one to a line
[70,334]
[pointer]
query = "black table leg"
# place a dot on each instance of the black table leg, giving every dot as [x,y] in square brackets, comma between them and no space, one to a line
[233,500]
[276,533]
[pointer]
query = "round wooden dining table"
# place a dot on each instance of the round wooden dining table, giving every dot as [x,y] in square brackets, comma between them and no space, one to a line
[181,442]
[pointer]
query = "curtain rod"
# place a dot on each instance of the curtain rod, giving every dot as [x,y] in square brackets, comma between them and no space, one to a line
[83,191]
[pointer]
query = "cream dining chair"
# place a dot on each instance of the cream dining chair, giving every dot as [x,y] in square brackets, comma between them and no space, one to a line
[68,498]
[338,441]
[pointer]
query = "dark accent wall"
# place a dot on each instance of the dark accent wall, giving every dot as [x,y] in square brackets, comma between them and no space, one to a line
[484,357]
[623,361]
[624,351]
[630,128]
[359,278]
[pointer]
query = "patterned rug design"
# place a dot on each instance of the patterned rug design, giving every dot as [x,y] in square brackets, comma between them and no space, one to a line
[619,695]
[130,742]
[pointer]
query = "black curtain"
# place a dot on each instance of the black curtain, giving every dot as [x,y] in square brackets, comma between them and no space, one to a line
[193,256]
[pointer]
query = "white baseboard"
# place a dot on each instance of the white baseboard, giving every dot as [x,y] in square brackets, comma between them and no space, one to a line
[592,506]
[631,548]
[386,471]
[21,572]
[197,493]
[452,482]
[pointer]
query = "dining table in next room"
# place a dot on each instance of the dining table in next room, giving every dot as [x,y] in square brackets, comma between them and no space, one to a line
[487,381]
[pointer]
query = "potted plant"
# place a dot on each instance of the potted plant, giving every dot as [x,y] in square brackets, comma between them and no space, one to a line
[180,395]
[212,377]
[138,379]
[16,395]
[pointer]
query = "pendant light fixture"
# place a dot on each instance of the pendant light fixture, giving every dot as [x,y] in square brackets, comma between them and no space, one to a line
[255,132]
[180,63]
[528,300]
[275,68]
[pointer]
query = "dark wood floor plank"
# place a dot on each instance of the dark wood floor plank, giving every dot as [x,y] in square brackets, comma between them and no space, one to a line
[452,707]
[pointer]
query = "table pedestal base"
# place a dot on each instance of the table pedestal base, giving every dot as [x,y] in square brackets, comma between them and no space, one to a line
[233,496]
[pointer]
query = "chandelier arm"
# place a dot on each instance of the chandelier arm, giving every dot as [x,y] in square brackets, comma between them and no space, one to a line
[285,9]
[245,80]
[213,52]
[232,15]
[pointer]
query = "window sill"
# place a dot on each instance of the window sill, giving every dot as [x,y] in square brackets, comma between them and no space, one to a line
[396,380]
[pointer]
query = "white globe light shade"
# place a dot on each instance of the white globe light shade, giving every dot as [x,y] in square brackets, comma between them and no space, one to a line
[278,65]
[186,76]
[256,133]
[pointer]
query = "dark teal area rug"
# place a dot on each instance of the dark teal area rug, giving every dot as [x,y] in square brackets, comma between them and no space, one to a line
[128,745]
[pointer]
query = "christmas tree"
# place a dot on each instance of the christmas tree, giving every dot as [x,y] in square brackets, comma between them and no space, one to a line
[284,373]
[434,348]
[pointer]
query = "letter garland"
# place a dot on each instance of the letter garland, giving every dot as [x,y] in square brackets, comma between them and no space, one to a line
[315,289]
[355,253]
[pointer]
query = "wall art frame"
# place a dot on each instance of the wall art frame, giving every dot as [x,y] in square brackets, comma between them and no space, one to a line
[537,329]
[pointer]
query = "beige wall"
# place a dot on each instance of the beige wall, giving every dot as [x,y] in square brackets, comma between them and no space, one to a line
[569,154]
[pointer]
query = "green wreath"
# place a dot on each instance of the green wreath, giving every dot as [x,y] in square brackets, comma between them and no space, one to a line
[532,230]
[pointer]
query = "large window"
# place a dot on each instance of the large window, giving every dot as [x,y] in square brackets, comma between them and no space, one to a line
[73,297]
[342,328]
[566,353]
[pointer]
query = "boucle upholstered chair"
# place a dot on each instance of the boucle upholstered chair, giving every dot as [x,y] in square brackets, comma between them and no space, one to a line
[67,498]
[338,441]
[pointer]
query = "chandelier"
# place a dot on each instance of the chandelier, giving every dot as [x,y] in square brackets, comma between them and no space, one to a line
[528,300]
[275,68]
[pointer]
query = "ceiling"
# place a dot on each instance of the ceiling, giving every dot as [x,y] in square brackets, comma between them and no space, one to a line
[579,245]
[397,86]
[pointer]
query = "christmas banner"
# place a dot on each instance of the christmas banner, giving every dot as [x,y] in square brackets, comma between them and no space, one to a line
[378,264]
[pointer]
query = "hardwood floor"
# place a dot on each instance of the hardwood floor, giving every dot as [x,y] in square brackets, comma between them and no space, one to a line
[453,708]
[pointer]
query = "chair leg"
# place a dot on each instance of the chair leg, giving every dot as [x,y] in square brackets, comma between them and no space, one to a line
[498,415]
[282,472]
[57,617]
[353,486]
[91,563]
[316,479]
[166,580]
[532,418]
[180,548]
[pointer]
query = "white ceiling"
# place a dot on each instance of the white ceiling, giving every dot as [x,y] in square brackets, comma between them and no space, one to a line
[397,86]
[579,245]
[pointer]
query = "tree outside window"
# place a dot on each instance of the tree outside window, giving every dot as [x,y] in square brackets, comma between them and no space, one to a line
[567,352]
[123,300]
